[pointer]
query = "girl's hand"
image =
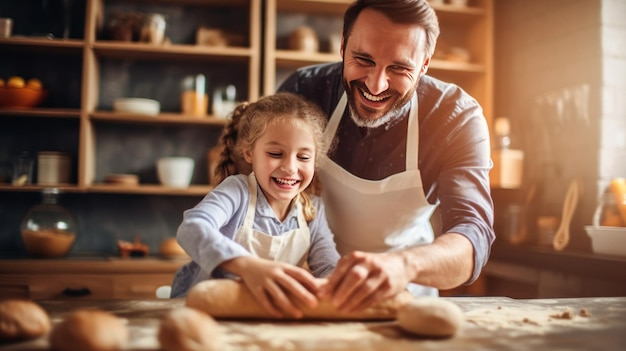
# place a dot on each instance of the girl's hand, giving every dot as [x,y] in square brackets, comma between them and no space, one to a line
[278,286]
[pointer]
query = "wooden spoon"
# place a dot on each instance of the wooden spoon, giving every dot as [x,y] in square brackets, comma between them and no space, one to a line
[561,238]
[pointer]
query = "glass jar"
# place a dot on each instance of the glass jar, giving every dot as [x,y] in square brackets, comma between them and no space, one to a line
[607,213]
[48,229]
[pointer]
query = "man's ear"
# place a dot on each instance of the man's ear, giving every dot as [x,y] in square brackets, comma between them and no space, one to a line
[341,47]
[425,65]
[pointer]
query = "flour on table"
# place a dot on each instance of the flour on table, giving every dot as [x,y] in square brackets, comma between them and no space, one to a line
[295,336]
[527,320]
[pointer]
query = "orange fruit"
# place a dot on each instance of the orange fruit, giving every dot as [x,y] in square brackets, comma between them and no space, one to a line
[34,83]
[16,82]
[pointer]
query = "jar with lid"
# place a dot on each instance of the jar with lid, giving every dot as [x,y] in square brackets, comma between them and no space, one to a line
[48,229]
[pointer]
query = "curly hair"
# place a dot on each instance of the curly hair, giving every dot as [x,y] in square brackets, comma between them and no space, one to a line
[249,122]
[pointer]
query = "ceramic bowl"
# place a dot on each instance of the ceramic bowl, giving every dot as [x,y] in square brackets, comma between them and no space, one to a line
[175,172]
[139,106]
[26,97]
[607,240]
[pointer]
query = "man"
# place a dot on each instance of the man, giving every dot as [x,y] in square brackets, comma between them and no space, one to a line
[405,144]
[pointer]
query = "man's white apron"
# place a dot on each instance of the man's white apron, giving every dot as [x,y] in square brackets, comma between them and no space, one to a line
[378,215]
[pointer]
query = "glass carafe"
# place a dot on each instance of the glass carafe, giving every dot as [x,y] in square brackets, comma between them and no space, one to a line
[48,229]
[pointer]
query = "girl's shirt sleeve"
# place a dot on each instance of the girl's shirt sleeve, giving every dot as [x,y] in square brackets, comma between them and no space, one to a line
[207,230]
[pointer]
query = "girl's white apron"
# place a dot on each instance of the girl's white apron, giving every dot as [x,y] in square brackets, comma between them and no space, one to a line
[290,247]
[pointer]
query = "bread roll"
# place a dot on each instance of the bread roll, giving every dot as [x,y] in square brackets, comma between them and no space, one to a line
[187,329]
[89,329]
[227,298]
[430,316]
[22,320]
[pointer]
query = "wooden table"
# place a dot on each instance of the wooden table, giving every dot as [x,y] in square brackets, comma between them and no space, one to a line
[491,323]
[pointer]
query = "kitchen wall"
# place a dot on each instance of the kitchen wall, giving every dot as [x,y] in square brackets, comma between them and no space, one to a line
[548,52]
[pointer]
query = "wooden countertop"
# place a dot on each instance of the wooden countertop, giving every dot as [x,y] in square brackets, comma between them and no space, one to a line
[91,265]
[599,266]
[491,323]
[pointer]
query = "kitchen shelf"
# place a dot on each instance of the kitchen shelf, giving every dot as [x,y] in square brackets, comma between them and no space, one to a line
[41,112]
[150,189]
[170,52]
[33,44]
[162,118]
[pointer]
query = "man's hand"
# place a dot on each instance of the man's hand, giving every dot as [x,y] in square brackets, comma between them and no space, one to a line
[276,285]
[362,279]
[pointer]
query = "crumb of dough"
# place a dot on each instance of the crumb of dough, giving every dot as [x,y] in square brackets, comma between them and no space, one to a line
[584,312]
[567,314]
[529,321]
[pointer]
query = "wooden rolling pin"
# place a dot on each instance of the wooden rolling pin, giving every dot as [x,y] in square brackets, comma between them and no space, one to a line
[231,299]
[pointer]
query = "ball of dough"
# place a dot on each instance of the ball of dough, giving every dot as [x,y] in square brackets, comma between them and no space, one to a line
[22,320]
[89,329]
[430,316]
[188,329]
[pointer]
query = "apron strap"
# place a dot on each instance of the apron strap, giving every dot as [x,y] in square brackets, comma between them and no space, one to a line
[252,186]
[412,140]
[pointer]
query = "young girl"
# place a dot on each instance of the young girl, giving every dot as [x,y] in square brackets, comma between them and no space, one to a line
[259,223]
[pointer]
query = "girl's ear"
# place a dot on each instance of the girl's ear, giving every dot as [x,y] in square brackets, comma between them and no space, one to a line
[247,155]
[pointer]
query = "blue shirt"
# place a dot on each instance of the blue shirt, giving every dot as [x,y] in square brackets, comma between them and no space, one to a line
[207,231]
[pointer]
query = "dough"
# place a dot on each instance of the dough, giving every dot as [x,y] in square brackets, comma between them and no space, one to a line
[430,316]
[187,329]
[22,320]
[89,329]
[228,298]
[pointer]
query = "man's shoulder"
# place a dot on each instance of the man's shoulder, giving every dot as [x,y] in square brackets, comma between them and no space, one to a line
[318,83]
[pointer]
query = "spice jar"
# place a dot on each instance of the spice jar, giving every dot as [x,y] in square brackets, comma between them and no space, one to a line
[194,99]
[48,229]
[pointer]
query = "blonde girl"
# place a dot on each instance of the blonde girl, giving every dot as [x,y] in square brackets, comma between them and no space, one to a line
[259,223]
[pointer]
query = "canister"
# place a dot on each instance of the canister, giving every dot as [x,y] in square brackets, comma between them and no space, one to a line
[53,167]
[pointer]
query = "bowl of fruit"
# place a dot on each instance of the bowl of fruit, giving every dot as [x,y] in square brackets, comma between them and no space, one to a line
[16,92]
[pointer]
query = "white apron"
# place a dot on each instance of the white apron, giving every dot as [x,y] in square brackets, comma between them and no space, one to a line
[378,215]
[290,247]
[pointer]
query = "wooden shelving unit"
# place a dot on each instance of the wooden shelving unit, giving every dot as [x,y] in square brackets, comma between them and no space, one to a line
[92,114]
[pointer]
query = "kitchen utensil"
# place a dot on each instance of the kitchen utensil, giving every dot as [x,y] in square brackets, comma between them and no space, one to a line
[522,234]
[561,238]
[138,106]
[122,179]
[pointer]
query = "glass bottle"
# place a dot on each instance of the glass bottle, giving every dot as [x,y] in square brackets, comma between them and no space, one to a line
[48,229]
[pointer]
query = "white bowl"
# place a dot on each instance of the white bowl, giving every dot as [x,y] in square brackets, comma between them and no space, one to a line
[137,106]
[175,172]
[607,240]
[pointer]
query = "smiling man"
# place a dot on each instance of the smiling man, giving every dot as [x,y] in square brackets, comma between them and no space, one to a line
[406,143]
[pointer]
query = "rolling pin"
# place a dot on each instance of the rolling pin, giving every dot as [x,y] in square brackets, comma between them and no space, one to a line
[231,299]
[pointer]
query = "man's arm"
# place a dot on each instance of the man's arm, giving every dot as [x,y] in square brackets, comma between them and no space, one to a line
[362,279]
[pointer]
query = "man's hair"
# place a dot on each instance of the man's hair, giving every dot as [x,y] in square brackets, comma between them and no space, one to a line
[417,12]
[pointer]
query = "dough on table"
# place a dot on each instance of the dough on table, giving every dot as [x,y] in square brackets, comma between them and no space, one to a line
[430,316]
[22,320]
[89,329]
[188,329]
[230,298]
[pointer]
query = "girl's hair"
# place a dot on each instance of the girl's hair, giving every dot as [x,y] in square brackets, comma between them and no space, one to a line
[249,122]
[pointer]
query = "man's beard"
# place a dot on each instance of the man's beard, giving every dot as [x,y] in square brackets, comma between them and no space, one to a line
[395,111]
